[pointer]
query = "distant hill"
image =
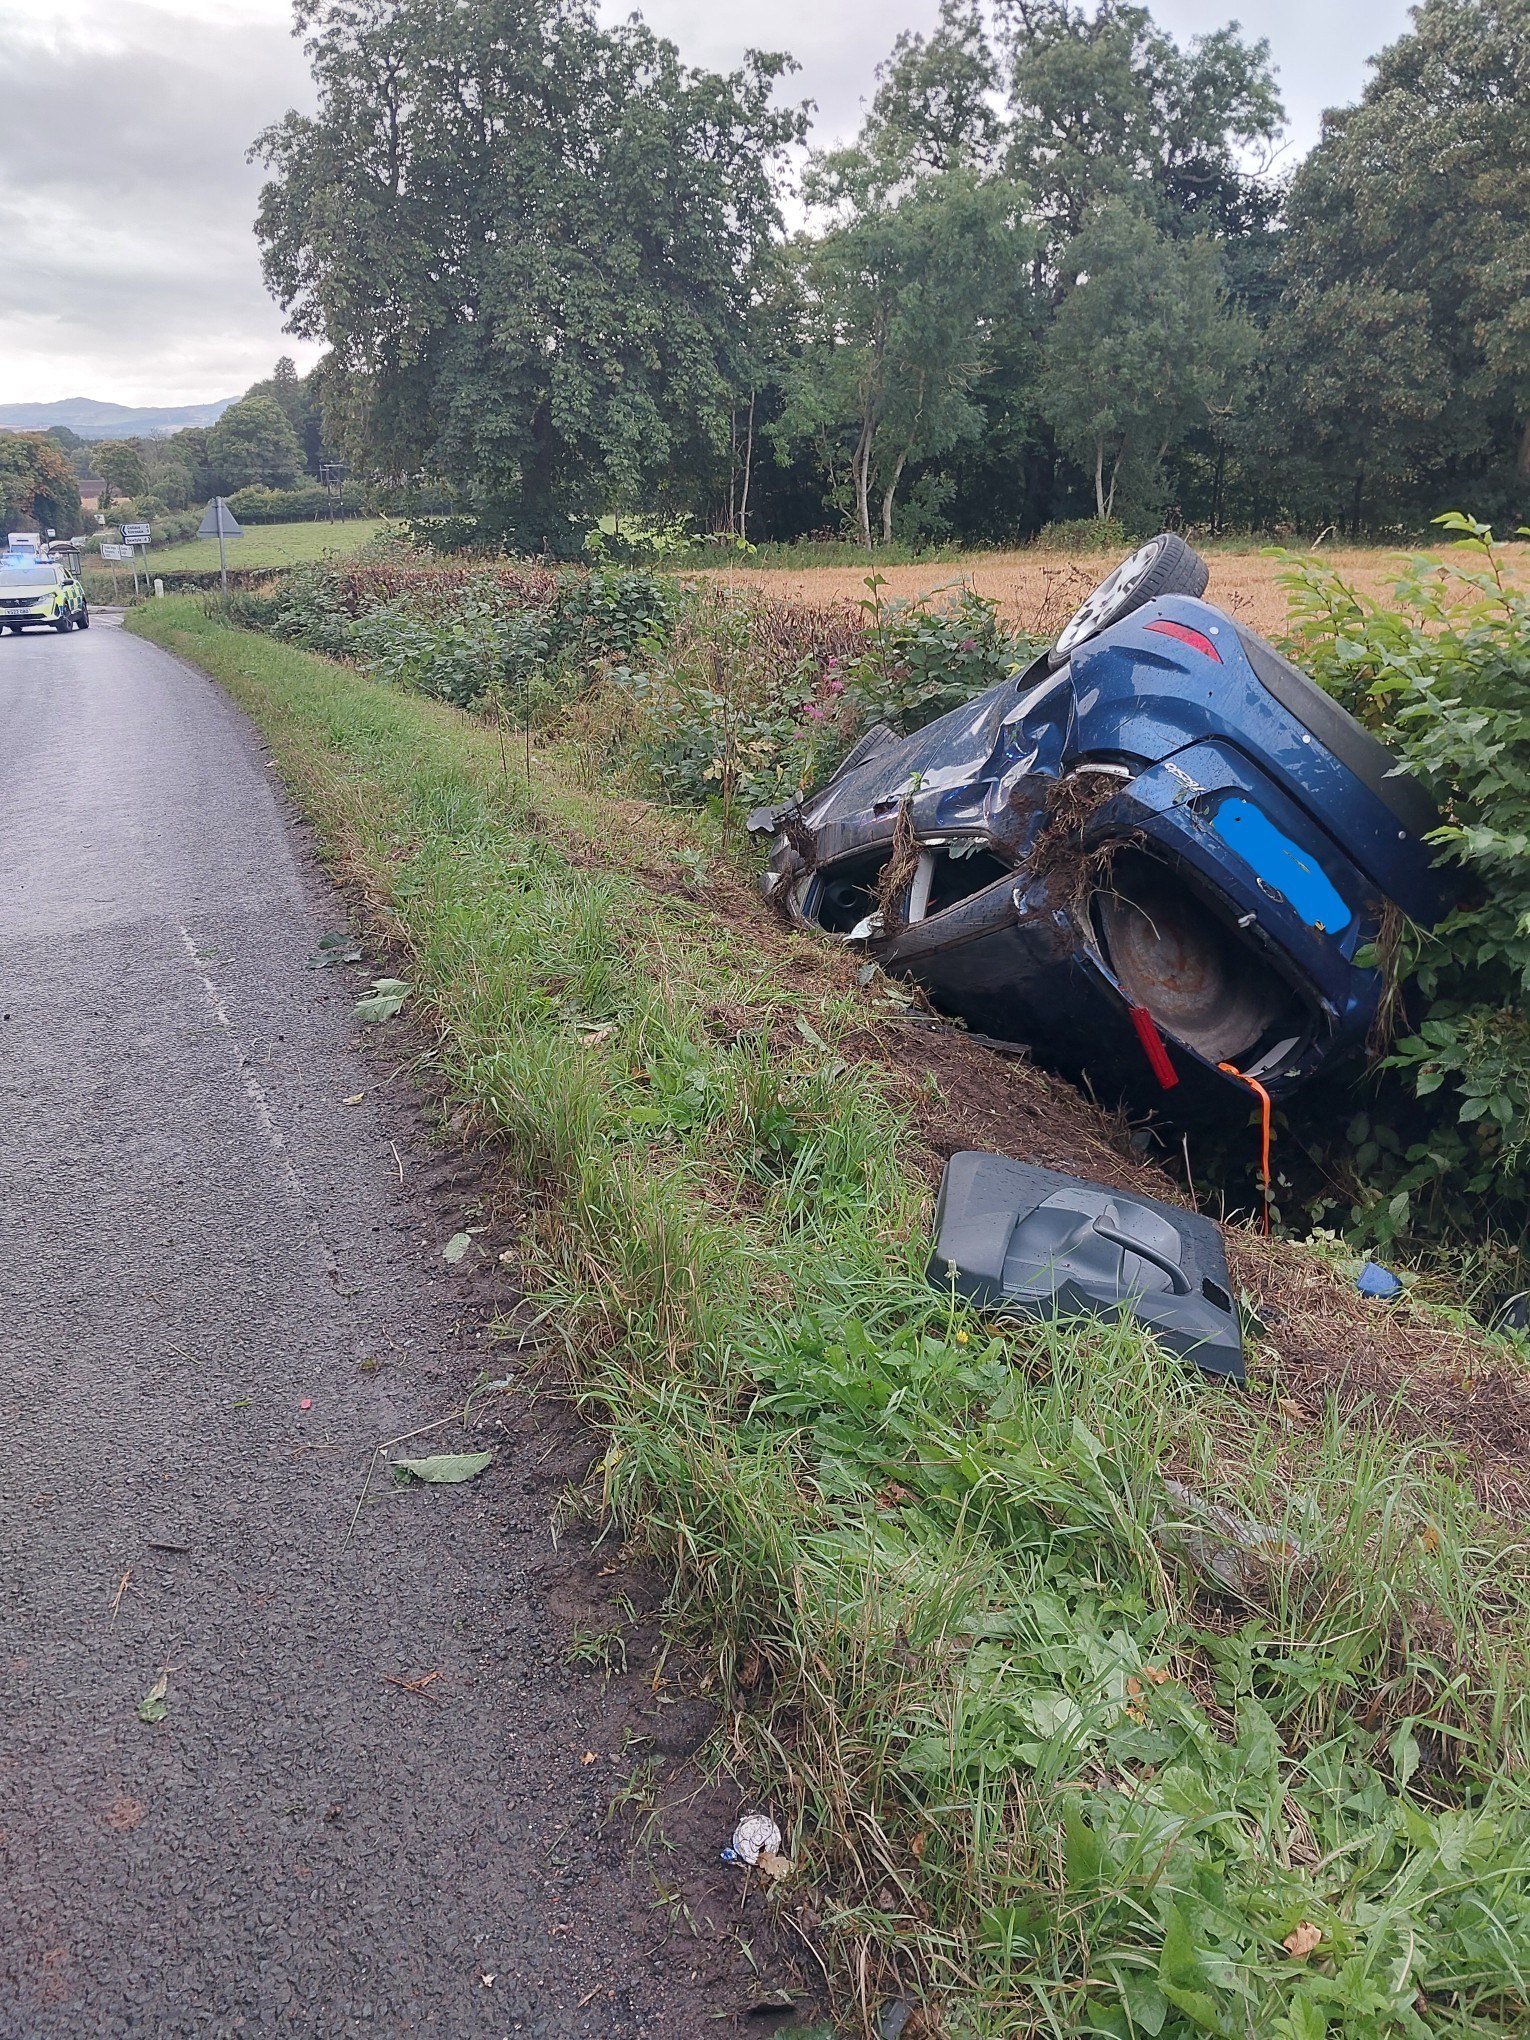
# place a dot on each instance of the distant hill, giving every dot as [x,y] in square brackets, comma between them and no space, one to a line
[93,420]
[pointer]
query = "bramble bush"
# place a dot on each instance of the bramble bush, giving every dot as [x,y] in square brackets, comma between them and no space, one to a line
[1441,669]
[759,698]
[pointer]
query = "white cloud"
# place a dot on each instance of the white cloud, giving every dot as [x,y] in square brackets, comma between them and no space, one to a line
[126,203]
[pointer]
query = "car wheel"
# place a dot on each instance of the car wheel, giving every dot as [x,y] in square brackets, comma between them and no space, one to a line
[1164,566]
[64,623]
[82,621]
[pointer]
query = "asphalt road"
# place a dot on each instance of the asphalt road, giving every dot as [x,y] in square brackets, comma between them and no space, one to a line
[197,1239]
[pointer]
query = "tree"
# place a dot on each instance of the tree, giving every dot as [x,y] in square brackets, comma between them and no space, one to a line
[120,465]
[292,392]
[904,283]
[36,483]
[253,444]
[1104,104]
[934,109]
[899,293]
[529,241]
[1400,347]
[189,447]
[1143,345]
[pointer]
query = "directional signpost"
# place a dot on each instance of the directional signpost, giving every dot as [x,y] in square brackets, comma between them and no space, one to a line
[219,522]
[137,534]
[115,553]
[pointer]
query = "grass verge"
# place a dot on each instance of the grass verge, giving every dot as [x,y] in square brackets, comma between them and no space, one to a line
[1090,1704]
[268,545]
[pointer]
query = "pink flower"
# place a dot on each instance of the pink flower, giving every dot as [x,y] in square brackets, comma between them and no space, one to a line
[813,713]
[832,664]
[836,686]
[968,644]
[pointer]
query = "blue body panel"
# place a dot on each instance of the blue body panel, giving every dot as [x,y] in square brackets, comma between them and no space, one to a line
[1142,695]
[1210,754]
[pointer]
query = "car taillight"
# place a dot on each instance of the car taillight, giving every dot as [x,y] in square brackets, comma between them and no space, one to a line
[1195,639]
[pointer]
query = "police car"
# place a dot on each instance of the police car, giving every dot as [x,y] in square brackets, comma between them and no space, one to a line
[37,590]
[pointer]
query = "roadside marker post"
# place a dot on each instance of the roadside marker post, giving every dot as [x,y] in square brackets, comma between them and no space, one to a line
[219,522]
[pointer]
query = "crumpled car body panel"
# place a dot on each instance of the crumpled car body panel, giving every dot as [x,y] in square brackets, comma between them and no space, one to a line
[1176,822]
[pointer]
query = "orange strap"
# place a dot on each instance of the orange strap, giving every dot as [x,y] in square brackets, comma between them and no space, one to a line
[1264,1129]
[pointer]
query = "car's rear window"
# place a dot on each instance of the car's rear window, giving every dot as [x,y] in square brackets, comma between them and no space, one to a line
[36,573]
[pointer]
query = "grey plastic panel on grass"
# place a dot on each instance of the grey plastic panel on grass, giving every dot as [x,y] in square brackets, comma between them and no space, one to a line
[1039,1244]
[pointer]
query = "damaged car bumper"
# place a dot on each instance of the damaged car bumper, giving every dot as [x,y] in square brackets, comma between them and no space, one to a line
[1163,858]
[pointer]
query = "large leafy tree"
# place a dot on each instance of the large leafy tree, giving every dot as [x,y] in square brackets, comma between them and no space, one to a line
[254,444]
[37,482]
[1104,103]
[529,241]
[1400,348]
[900,292]
[910,274]
[1143,347]
[119,463]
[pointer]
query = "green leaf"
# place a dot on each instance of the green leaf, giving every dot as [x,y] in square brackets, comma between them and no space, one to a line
[387,996]
[456,1247]
[152,1706]
[445,1467]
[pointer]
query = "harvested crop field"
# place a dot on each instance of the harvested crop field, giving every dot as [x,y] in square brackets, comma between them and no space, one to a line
[1039,590]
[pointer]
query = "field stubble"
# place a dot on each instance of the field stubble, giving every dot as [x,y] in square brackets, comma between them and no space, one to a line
[1038,590]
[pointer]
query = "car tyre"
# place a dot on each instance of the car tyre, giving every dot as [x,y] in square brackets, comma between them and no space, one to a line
[1166,565]
[82,621]
[64,623]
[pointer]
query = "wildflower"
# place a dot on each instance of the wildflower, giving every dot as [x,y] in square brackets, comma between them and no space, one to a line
[968,644]
[813,713]
[836,686]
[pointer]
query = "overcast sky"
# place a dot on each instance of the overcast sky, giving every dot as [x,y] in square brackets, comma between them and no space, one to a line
[130,272]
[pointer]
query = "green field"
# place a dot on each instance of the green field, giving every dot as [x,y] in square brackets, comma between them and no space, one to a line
[267,545]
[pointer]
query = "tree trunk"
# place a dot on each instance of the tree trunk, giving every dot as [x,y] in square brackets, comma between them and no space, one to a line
[887,497]
[732,466]
[902,462]
[861,468]
[1099,479]
[1522,465]
[1354,515]
[1108,507]
[1217,481]
[743,501]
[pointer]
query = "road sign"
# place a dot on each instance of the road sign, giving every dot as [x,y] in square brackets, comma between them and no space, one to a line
[218,521]
[136,534]
[116,552]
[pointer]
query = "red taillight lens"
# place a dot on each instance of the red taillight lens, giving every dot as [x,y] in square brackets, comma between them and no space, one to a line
[1196,640]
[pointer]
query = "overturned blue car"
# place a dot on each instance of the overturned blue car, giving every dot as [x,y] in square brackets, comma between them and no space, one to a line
[1161,856]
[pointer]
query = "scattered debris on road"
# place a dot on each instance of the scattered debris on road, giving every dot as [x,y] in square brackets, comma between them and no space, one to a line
[385,999]
[152,1706]
[443,1468]
[421,1684]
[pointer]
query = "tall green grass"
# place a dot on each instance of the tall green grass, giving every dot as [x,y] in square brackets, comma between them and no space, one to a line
[1087,1691]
